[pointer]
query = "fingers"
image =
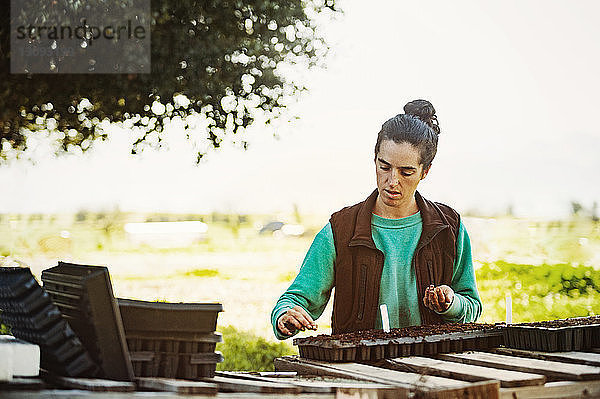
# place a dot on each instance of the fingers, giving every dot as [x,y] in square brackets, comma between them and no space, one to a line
[438,298]
[288,324]
[295,319]
[428,297]
[440,295]
[305,318]
[449,294]
[433,299]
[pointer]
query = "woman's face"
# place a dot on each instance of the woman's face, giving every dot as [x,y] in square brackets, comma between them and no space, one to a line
[398,173]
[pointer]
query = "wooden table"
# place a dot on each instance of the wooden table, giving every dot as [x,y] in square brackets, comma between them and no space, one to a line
[500,373]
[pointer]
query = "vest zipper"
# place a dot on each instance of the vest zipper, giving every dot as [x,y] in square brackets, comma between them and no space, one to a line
[361,290]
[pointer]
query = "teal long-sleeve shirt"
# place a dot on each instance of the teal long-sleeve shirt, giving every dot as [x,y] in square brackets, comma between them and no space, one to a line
[397,239]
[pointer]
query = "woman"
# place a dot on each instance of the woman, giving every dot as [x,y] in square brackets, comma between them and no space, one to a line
[395,248]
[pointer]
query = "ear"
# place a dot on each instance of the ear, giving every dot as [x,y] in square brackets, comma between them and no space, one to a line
[425,171]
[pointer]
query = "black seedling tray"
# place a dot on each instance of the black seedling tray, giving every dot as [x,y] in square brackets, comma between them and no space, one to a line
[174,358]
[176,365]
[172,340]
[169,317]
[85,298]
[197,343]
[15,282]
[49,315]
[553,339]
[32,316]
[28,302]
[376,349]
[56,334]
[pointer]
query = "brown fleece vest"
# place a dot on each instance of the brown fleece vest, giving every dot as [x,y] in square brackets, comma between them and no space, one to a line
[359,264]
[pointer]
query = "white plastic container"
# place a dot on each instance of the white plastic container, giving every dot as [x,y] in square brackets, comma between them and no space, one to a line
[23,357]
[6,364]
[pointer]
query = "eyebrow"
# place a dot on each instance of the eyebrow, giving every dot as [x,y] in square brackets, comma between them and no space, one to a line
[383,161]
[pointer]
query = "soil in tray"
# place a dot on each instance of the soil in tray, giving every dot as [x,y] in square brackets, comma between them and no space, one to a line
[574,322]
[412,331]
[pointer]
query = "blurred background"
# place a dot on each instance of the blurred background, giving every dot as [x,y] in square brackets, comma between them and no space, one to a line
[515,86]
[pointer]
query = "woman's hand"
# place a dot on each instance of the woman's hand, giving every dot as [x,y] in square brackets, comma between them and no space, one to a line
[438,298]
[294,319]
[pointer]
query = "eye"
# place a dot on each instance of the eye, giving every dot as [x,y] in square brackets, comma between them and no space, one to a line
[407,173]
[384,167]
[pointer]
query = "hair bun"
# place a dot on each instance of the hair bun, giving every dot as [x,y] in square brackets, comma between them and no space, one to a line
[423,110]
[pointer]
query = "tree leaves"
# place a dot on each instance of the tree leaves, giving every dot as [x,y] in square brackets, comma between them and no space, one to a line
[214,59]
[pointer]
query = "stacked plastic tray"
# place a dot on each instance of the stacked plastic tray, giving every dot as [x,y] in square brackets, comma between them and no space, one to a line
[33,317]
[85,298]
[573,334]
[340,349]
[172,340]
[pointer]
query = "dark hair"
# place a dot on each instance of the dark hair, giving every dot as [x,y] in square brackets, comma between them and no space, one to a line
[417,126]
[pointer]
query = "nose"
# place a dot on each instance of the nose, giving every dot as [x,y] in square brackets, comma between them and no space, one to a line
[394,177]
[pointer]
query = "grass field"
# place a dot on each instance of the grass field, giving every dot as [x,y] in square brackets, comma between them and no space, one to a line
[247,272]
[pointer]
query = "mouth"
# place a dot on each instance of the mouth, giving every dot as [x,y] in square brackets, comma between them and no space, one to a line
[392,193]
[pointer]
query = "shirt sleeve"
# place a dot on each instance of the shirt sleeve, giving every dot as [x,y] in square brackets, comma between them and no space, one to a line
[312,286]
[466,307]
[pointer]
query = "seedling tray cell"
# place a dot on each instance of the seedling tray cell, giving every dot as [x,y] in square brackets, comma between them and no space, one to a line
[573,334]
[14,281]
[28,302]
[373,345]
[49,315]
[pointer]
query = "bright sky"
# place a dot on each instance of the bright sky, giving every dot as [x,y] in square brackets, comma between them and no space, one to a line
[515,84]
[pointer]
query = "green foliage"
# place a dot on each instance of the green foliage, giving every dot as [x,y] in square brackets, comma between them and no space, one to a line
[3,328]
[222,55]
[545,279]
[245,351]
[541,292]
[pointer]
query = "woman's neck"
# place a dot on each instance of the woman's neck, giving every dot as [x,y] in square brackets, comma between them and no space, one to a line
[395,212]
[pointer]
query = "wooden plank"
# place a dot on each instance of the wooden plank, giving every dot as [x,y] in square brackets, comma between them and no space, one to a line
[477,390]
[23,383]
[305,387]
[77,394]
[308,385]
[90,384]
[560,389]
[274,373]
[370,393]
[293,363]
[589,358]
[551,369]
[365,372]
[227,384]
[411,383]
[177,386]
[467,372]
[370,373]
